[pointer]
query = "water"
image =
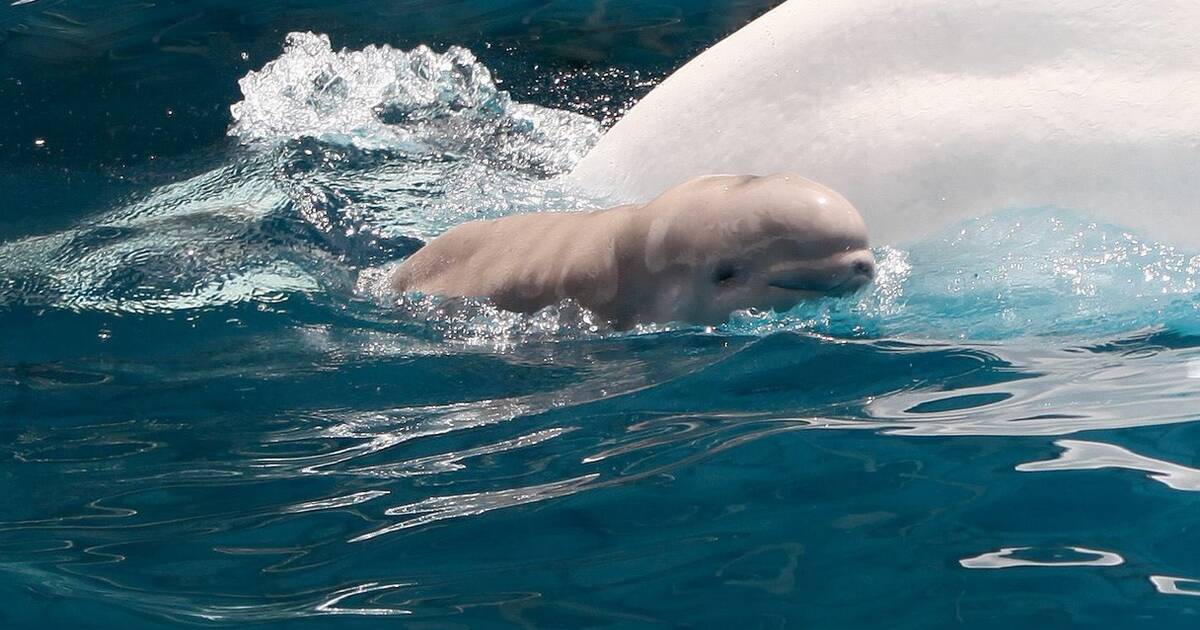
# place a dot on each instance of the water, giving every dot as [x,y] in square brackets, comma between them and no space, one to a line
[212,416]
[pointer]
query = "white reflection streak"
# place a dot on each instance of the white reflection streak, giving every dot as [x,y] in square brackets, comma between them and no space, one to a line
[335,502]
[458,505]
[1003,559]
[1193,368]
[330,606]
[441,419]
[449,462]
[1170,585]
[1084,455]
[1147,392]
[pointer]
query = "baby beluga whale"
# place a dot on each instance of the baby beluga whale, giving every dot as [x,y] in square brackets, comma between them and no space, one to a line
[696,253]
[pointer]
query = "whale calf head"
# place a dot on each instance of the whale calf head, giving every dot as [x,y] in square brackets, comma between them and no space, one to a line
[717,244]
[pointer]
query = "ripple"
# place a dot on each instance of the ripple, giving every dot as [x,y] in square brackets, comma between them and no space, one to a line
[378,431]
[1174,585]
[336,502]
[47,376]
[1006,558]
[1052,391]
[452,461]
[96,449]
[333,605]
[342,601]
[456,506]
[269,435]
[1085,455]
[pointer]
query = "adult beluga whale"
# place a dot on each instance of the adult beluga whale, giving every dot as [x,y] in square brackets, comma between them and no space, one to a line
[926,112]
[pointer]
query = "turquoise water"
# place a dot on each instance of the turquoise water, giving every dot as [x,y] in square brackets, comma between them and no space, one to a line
[211,416]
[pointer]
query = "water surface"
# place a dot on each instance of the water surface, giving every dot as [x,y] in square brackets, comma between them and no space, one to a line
[210,415]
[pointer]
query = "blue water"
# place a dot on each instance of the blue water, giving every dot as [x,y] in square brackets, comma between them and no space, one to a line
[211,416]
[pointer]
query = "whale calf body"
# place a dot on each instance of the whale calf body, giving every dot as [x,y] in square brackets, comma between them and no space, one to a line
[696,253]
[929,112]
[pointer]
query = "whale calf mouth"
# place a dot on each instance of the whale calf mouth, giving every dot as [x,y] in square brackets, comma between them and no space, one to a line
[859,274]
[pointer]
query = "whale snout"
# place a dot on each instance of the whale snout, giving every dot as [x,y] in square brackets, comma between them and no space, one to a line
[862,266]
[860,271]
[840,274]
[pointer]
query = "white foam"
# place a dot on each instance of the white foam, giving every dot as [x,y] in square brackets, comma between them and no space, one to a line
[417,101]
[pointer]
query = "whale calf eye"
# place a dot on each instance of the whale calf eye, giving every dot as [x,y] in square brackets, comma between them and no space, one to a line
[724,273]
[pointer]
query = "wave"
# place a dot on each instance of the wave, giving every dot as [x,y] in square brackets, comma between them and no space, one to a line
[347,161]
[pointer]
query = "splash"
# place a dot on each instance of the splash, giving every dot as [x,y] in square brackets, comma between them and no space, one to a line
[1015,273]
[475,322]
[349,160]
[1051,272]
[417,102]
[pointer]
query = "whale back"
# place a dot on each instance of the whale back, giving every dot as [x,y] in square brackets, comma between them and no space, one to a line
[927,112]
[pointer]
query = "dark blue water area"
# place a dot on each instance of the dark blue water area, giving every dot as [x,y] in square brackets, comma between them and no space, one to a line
[111,87]
[210,416]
